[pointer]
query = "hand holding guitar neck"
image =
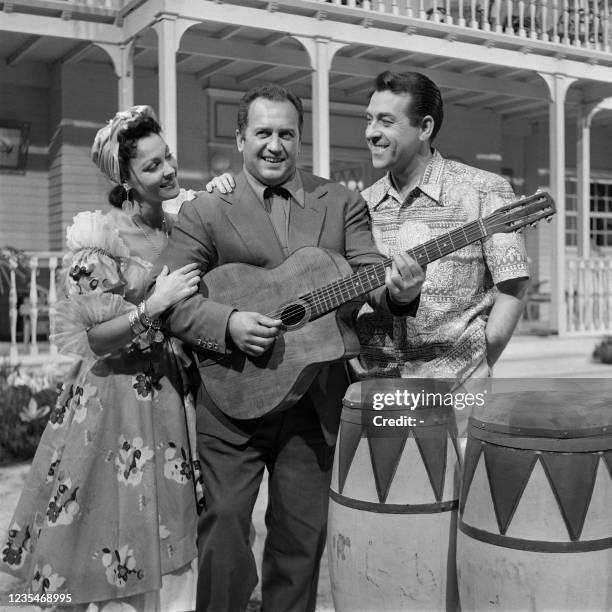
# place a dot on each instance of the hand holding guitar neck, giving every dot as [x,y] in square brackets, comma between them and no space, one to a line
[404,279]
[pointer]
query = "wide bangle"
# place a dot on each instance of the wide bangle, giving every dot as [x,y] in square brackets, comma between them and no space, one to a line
[135,323]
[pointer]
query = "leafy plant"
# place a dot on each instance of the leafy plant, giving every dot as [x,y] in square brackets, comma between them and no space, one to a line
[26,399]
[603,351]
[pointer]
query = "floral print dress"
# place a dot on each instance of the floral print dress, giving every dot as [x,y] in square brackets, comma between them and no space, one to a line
[109,509]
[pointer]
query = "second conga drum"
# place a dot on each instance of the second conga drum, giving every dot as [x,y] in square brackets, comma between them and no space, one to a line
[535,528]
[393,505]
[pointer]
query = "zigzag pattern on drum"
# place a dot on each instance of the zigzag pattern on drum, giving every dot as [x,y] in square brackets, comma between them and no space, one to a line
[386,452]
[571,478]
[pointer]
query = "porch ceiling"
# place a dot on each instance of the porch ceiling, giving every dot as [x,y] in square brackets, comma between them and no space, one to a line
[236,57]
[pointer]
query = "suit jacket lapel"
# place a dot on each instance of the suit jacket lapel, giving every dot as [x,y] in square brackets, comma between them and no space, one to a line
[305,224]
[252,223]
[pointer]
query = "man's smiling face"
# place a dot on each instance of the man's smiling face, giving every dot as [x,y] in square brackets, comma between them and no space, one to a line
[393,141]
[270,141]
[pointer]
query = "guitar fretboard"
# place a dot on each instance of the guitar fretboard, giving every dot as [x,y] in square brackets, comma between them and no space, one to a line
[331,296]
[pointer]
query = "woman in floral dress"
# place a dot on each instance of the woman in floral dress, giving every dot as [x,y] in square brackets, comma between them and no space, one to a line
[107,518]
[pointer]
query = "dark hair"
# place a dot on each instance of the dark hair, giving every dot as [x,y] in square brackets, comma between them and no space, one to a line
[128,138]
[426,98]
[274,93]
[117,196]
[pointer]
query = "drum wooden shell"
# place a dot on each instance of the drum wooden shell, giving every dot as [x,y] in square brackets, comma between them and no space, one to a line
[535,526]
[393,511]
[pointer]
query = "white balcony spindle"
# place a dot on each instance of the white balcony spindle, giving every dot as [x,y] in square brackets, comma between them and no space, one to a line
[555,21]
[461,17]
[570,280]
[606,27]
[473,22]
[521,29]
[576,19]
[422,13]
[509,29]
[587,27]
[497,16]
[544,17]
[533,30]
[601,295]
[486,26]
[51,299]
[13,352]
[33,306]
[565,22]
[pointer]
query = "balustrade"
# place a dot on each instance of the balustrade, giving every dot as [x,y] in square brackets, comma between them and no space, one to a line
[578,23]
[589,295]
[40,301]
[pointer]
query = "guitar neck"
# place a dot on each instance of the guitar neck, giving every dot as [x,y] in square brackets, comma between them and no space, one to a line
[331,296]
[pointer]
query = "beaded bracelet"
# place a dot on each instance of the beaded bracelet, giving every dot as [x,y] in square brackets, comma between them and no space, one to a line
[135,323]
[153,326]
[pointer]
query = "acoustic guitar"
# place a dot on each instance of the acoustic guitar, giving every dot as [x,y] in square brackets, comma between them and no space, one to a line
[311,292]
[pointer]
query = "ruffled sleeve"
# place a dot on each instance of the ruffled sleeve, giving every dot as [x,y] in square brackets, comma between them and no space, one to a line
[94,252]
[75,316]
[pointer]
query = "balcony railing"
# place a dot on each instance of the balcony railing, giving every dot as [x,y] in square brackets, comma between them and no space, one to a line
[578,23]
[589,295]
[581,24]
[39,303]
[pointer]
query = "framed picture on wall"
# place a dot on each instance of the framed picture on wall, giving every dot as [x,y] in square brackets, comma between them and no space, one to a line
[14,140]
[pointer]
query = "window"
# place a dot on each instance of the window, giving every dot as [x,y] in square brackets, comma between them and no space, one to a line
[600,208]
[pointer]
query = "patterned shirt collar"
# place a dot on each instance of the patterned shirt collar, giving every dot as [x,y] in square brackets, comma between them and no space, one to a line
[430,185]
[293,186]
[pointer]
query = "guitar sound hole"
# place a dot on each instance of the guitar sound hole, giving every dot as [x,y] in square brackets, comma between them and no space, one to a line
[293,314]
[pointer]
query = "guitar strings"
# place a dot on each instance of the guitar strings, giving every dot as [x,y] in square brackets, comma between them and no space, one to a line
[324,297]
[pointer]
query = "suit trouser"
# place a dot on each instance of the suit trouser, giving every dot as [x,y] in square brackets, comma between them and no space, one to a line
[291,446]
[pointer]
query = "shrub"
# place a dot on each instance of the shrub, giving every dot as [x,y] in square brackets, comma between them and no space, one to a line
[25,402]
[603,351]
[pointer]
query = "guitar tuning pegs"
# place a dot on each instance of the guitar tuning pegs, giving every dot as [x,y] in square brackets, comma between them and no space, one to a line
[549,220]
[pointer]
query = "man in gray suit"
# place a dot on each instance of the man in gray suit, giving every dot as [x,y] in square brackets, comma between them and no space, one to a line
[274,210]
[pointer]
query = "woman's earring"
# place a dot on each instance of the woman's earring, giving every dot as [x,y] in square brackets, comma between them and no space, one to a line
[127,203]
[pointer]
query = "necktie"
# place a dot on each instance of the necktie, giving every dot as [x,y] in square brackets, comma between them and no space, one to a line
[276,201]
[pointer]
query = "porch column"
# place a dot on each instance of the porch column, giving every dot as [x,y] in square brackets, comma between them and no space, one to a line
[166,53]
[122,57]
[321,53]
[558,85]
[126,75]
[583,178]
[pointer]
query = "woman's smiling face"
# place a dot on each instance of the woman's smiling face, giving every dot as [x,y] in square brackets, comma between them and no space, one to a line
[153,170]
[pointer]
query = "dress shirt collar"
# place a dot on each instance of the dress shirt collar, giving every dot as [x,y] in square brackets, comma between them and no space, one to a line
[294,186]
[430,185]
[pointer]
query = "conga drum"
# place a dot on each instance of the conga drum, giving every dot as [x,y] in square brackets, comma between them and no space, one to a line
[393,503]
[535,517]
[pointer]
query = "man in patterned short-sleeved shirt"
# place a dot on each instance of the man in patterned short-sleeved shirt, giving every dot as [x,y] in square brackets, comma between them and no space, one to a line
[471,300]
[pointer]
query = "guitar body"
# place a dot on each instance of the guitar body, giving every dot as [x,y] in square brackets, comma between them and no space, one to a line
[244,387]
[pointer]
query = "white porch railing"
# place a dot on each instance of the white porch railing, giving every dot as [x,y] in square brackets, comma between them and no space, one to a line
[579,23]
[40,301]
[589,295]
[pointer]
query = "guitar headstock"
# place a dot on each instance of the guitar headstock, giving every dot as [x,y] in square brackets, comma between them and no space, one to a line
[523,212]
